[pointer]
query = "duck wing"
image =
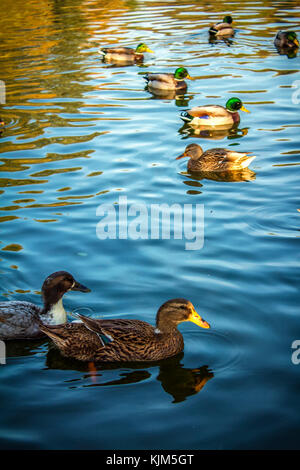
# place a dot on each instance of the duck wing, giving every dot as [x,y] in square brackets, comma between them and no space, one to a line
[160,77]
[117,50]
[127,51]
[129,340]
[206,112]
[118,330]
[19,320]
[226,156]
[220,26]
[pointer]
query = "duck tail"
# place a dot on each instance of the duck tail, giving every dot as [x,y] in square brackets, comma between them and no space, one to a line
[186,117]
[54,332]
[212,30]
[246,161]
[102,52]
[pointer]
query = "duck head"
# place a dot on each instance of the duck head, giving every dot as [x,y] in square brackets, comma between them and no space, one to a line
[228,19]
[235,104]
[176,311]
[193,151]
[141,48]
[292,38]
[54,288]
[181,73]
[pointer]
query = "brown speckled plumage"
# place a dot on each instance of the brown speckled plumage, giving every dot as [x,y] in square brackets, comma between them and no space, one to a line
[130,340]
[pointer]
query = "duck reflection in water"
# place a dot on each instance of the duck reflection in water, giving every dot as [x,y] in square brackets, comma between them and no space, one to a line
[212,39]
[178,381]
[217,133]
[180,100]
[236,176]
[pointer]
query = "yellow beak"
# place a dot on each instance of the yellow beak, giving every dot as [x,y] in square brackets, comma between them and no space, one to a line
[195,318]
[296,42]
[181,156]
[244,109]
[188,76]
[149,50]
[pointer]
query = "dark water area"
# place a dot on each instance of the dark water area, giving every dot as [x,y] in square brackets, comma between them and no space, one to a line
[79,133]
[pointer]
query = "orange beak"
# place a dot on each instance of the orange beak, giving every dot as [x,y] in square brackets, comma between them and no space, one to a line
[183,155]
[195,318]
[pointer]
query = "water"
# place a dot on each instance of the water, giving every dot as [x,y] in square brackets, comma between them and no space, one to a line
[80,133]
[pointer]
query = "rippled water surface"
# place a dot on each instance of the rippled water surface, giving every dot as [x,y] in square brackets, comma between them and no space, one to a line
[79,133]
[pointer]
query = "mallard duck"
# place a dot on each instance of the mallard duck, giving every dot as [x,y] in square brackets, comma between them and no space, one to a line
[168,81]
[223,28]
[286,39]
[125,54]
[20,320]
[125,340]
[213,115]
[215,159]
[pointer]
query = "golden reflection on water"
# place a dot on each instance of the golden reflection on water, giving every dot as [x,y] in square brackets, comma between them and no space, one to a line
[60,102]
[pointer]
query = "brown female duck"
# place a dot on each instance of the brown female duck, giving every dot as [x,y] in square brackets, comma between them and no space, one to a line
[217,159]
[125,340]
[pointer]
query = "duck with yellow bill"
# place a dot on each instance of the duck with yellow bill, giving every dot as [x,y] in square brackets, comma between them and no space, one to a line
[126,340]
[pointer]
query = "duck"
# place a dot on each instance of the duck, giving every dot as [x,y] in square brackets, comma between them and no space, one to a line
[213,115]
[224,28]
[217,159]
[125,340]
[168,81]
[21,319]
[286,39]
[125,54]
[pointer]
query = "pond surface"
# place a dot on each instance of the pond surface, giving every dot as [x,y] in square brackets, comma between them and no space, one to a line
[79,133]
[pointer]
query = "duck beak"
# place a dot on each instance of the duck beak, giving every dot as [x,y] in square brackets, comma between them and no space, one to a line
[80,287]
[296,42]
[149,50]
[195,318]
[183,155]
[188,76]
[244,109]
